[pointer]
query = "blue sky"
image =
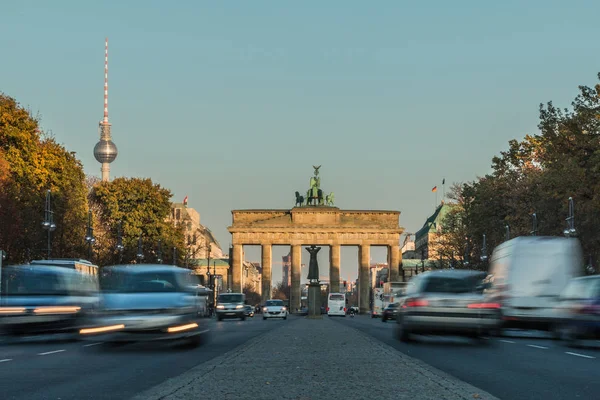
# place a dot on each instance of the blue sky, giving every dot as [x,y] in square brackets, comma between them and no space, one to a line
[232,103]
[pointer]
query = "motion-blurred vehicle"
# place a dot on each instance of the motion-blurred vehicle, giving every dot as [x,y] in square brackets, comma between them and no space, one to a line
[249,311]
[390,312]
[274,309]
[578,310]
[303,311]
[527,276]
[148,302]
[377,306]
[45,299]
[231,305]
[336,304]
[446,302]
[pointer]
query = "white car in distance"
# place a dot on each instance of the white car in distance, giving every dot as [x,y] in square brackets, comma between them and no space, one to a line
[274,309]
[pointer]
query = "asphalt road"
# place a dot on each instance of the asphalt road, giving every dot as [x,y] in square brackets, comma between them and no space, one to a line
[46,368]
[525,365]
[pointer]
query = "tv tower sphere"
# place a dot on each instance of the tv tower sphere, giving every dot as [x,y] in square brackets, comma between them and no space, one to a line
[105,151]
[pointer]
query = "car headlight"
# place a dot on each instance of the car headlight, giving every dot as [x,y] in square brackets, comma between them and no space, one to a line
[239,306]
[283,308]
[220,307]
[265,309]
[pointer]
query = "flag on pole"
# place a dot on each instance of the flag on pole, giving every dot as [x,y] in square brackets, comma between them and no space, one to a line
[434,189]
[185,201]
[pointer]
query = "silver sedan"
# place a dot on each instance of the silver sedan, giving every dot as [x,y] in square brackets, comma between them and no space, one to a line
[446,302]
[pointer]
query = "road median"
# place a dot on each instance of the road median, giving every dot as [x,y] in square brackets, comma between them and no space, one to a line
[314,359]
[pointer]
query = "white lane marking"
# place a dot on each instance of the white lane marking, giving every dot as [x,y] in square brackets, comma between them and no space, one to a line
[92,344]
[204,331]
[506,341]
[6,360]
[578,355]
[50,352]
[537,347]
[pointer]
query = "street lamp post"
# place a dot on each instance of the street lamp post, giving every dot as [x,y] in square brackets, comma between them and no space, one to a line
[534,224]
[48,223]
[215,281]
[507,232]
[89,236]
[2,258]
[159,258]
[570,230]
[120,246]
[140,251]
[174,255]
[466,255]
[484,255]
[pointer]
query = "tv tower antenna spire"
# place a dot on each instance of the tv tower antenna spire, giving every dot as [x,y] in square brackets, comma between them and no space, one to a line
[105,150]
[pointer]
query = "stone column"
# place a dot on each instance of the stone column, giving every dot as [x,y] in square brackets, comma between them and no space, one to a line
[334,268]
[395,258]
[295,281]
[266,259]
[364,285]
[236,268]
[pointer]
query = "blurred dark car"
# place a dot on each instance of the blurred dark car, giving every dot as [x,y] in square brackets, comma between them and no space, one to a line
[447,302]
[303,311]
[249,310]
[578,310]
[390,312]
[149,302]
[45,299]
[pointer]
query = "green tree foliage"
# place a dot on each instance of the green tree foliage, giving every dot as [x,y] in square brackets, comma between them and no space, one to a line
[31,163]
[142,208]
[538,175]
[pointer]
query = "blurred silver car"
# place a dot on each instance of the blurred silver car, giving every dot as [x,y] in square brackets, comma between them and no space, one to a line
[45,299]
[446,302]
[149,302]
[578,310]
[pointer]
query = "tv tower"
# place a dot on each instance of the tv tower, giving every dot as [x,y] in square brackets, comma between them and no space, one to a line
[105,150]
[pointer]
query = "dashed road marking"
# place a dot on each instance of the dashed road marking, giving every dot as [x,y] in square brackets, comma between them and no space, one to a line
[537,347]
[6,360]
[92,344]
[578,355]
[51,352]
[506,341]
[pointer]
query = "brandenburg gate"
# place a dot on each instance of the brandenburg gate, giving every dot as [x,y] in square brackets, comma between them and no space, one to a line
[315,224]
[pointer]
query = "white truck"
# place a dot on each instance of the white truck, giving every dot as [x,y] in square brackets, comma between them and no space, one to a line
[528,274]
[377,309]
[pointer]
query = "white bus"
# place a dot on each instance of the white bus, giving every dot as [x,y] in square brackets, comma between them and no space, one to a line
[336,304]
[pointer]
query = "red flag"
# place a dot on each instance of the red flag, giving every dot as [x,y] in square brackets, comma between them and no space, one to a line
[185,200]
[434,189]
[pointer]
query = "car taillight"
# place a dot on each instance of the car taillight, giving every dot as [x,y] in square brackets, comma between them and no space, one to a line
[327,308]
[589,309]
[344,309]
[416,303]
[484,305]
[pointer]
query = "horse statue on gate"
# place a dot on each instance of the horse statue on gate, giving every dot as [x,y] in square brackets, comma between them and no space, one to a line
[329,199]
[299,200]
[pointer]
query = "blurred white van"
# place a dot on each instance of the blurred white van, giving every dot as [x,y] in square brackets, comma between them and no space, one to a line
[527,276]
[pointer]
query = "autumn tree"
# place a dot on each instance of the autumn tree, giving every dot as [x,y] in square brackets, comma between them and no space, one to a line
[537,175]
[141,208]
[32,162]
[252,297]
[280,291]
